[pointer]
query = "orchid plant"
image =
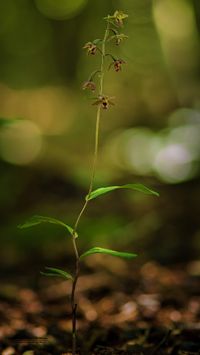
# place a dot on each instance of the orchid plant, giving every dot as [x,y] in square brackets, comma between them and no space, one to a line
[103,101]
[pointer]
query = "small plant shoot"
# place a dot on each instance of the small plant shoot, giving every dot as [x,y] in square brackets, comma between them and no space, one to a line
[102,101]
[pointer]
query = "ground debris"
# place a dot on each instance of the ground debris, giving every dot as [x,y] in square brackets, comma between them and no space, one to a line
[153,311]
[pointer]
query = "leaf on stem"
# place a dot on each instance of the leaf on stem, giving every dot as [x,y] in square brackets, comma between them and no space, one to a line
[96,250]
[56,272]
[34,220]
[137,187]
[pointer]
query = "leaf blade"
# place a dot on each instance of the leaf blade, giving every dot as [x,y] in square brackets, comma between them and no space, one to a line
[101,191]
[52,271]
[37,219]
[98,250]
[137,187]
[141,188]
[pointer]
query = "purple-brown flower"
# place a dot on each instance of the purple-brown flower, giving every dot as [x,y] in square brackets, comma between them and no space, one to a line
[119,38]
[91,48]
[117,18]
[104,101]
[89,84]
[117,64]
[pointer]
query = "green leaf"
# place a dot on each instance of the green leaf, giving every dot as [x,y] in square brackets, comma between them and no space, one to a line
[34,220]
[100,191]
[57,272]
[137,187]
[96,250]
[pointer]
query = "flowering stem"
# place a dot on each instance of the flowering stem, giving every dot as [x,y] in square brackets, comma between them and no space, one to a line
[96,146]
[103,57]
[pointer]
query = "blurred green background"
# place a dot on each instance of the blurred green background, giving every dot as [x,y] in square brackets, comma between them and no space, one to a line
[151,135]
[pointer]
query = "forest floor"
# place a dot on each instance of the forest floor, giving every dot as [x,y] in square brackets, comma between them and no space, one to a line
[123,308]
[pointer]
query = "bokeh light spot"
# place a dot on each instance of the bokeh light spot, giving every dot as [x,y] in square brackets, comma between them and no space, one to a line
[60,9]
[140,150]
[174,19]
[21,142]
[173,163]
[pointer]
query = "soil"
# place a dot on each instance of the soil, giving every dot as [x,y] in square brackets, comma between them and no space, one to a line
[123,308]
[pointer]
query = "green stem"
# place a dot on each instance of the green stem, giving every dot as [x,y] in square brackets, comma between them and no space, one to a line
[103,58]
[73,302]
[96,146]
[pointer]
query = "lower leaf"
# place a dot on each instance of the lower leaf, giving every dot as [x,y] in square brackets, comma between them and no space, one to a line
[57,272]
